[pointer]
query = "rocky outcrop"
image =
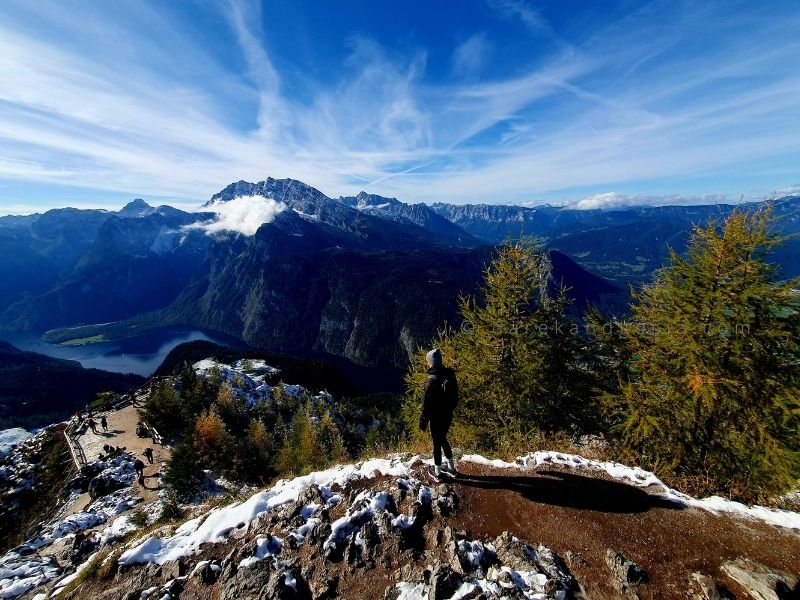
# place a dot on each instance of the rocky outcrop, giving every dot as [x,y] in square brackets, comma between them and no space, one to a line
[627,575]
[761,582]
[703,587]
[390,539]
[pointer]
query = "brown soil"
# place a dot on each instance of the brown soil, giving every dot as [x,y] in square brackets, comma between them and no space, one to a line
[585,515]
[122,432]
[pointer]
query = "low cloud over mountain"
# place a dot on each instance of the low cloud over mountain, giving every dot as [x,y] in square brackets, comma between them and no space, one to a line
[244,215]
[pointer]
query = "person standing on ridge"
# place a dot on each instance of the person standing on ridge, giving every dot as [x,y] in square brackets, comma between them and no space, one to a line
[104,423]
[441,398]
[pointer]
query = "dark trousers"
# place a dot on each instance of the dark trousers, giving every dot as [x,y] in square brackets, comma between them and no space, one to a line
[439,431]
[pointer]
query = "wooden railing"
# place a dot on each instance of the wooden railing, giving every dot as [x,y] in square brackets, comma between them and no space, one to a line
[75,448]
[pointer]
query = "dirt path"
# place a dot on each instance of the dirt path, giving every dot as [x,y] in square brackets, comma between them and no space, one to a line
[122,432]
[566,511]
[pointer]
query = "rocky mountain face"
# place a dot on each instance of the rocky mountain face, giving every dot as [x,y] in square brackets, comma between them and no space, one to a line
[622,244]
[415,214]
[363,277]
[320,277]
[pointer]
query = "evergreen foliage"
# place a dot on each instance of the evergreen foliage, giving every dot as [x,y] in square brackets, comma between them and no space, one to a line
[182,473]
[164,411]
[521,363]
[709,387]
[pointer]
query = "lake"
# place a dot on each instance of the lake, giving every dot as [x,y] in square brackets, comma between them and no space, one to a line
[141,354]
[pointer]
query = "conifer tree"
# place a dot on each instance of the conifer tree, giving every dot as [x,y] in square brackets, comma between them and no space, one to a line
[712,387]
[211,440]
[330,446]
[182,474]
[162,410]
[520,362]
[299,449]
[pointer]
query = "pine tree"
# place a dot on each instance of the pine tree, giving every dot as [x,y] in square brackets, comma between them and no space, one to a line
[299,449]
[711,388]
[254,459]
[520,361]
[182,474]
[330,445]
[163,410]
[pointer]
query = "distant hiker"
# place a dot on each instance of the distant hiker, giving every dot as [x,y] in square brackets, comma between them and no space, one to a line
[80,535]
[441,398]
[142,430]
[148,454]
[91,424]
[139,466]
[104,423]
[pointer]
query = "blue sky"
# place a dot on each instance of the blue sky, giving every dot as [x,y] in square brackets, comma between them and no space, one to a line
[512,101]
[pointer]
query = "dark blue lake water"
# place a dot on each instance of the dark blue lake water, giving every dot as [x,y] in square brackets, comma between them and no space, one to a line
[141,354]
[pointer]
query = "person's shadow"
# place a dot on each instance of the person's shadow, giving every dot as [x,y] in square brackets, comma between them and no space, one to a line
[570,490]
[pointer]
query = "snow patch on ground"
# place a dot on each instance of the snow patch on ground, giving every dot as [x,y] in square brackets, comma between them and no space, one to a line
[12,437]
[220,522]
[22,569]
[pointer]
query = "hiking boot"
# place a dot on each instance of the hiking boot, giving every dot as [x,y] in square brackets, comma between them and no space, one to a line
[449,468]
[433,475]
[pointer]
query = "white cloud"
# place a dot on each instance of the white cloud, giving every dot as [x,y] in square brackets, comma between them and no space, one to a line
[470,56]
[791,190]
[244,214]
[608,200]
[519,9]
[627,105]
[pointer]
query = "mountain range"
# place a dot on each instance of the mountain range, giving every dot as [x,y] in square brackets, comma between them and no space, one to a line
[366,278]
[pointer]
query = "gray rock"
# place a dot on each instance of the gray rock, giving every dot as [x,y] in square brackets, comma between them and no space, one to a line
[761,581]
[248,583]
[447,503]
[311,495]
[703,587]
[628,576]
[444,582]
[176,568]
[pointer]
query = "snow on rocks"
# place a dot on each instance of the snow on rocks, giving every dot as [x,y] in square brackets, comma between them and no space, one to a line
[221,522]
[10,438]
[365,507]
[246,382]
[504,568]
[20,574]
[20,456]
[22,569]
[265,547]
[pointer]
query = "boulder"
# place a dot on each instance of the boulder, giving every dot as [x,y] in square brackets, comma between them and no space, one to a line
[627,575]
[762,582]
[444,582]
[102,486]
[703,587]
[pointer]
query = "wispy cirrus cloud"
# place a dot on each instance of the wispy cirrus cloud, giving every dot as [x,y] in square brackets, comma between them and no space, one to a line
[132,101]
[527,14]
[471,55]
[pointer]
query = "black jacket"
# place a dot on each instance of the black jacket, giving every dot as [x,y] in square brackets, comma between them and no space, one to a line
[441,394]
